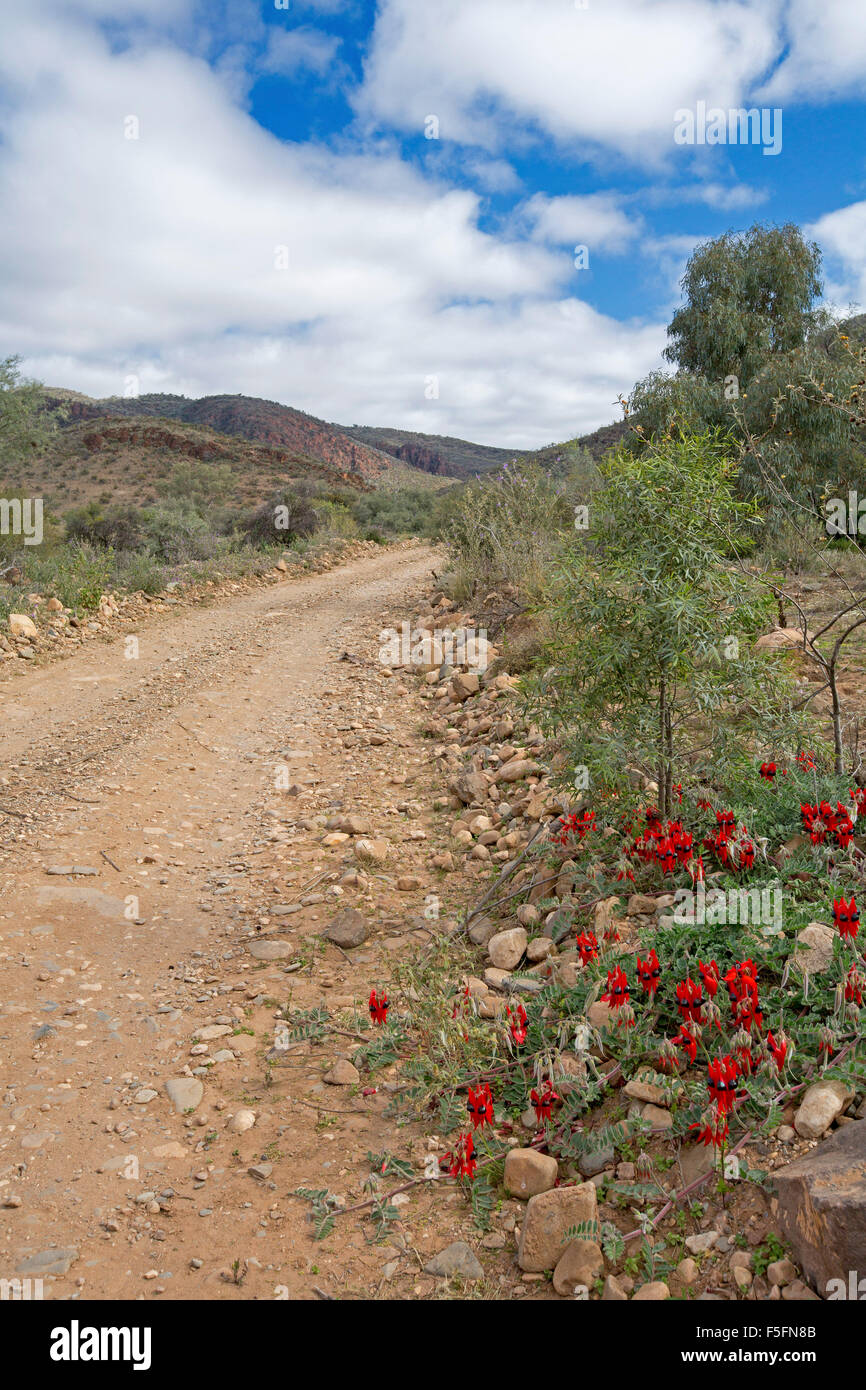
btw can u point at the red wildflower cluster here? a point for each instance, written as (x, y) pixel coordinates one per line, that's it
(517, 1024)
(542, 1103)
(712, 1128)
(858, 796)
(690, 1000)
(778, 1049)
(617, 988)
(587, 946)
(742, 984)
(378, 1006)
(768, 771)
(479, 1103)
(846, 918)
(710, 977)
(461, 1161)
(734, 849)
(687, 1039)
(806, 761)
(722, 1074)
(669, 845)
(822, 821)
(575, 827)
(649, 973)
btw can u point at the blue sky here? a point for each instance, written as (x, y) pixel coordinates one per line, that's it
(209, 196)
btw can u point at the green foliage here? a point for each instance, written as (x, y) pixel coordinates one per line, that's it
(81, 575)
(506, 527)
(25, 425)
(749, 296)
(288, 516)
(651, 662)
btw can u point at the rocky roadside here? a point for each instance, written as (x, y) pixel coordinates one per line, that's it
(163, 1117)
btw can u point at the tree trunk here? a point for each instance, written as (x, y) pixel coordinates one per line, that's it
(662, 747)
(837, 720)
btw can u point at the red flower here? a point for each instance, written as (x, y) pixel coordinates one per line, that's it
(460, 1161)
(712, 1129)
(677, 792)
(543, 1104)
(686, 1039)
(649, 972)
(725, 820)
(479, 1103)
(587, 945)
(846, 918)
(806, 760)
(778, 1048)
(574, 825)
(722, 1084)
(768, 771)
(378, 1006)
(617, 988)
(690, 1000)
(518, 1024)
(703, 804)
(854, 986)
(710, 977)
(858, 795)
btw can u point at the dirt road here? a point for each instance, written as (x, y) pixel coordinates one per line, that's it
(165, 798)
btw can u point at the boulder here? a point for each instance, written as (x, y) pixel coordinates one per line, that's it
(22, 626)
(822, 1207)
(506, 948)
(528, 1172)
(816, 954)
(819, 1107)
(578, 1267)
(549, 1217)
(347, 929)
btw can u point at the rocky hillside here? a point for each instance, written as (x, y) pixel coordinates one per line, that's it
(438, 454)
(261, 422)
(97, 457)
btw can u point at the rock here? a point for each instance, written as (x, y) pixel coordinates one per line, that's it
(613, 1291)
(822, 1207)
(211, 1031)
(145, 1095)
(687, 1271)
(641, 905)
(781, 639)
(594, 1161)
(408, 883)
(471, 788)
(517, 768)
(371, 851)
(528, 915)
(342, 1073)
(269, 948)
(539, 949)
(241, 1121)
(455, 1259)
(701, 1242)
(646, 1090)
(355, 825)
(185, 1093)
(578, 1267)
(786, 1134)
(347, 929)
(817, 954)
(506, 948)
(601, 1015)
(658, 1118)
(654, 1292)
(821, 1104)
(464, 684)
(548, 1217)
(781, 1272)
(261, 1171)
(742, 1276)
(481, 929)
(528, 1172)
(22, 626)
(56, 1261)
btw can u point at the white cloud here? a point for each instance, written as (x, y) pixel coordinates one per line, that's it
(594, 219)
(827, 51)
(290, 50)
(842, 237)
(613, 74)
(156, 257)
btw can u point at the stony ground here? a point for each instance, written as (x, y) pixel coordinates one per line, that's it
(246, 809)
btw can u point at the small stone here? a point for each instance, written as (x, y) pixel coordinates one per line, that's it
(185, 1093)
(506, 948)
(613, 1291)
(549, 1216)
(342, 1073)
(144, 1096)
(241, 1121)
(654, 1292)
(455, 1259)
(578, 1267)
(703, 1241)
(781, 1272)
(528, 1172)
(687, 1271)
(347, 929)
(658, 1118)
(821, 1104)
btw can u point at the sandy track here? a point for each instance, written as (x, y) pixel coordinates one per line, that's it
(159, 774)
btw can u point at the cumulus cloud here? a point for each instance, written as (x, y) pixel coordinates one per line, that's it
(205, 255)
(291, 50)
(594, 219)
(842, 237)
(826, 54)
(498, 71)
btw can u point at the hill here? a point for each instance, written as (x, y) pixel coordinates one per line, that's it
(439, 454)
